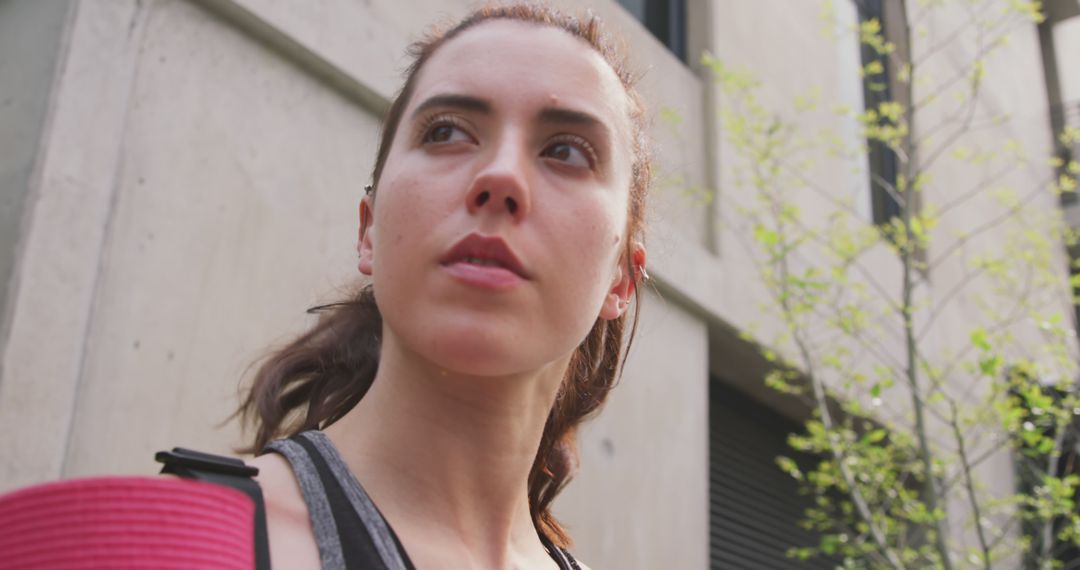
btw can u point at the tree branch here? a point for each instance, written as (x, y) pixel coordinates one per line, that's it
(1051, 470)
(823, 409)
(988, 225)
(979, 187)
(978, 460)
(940, 305)
(969, 485)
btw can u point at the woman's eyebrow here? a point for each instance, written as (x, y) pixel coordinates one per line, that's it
(563, 116)
(550, 115)
(453, 101)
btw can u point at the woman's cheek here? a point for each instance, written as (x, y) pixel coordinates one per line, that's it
(399, 254)
(589, 258)
(407, 209)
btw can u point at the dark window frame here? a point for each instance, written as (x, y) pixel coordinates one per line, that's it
(666, 21)
(883, 164)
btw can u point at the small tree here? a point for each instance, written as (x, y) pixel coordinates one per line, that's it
(903, 421)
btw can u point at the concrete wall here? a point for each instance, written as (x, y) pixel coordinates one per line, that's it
(199, 177)
(196, 187)
(645, 457)
(31, 44)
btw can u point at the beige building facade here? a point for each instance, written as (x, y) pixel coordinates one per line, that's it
(180, 180)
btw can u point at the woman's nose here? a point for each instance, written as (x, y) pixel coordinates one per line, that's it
(501, 186)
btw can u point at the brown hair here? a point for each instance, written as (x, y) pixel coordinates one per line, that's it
(316, 379)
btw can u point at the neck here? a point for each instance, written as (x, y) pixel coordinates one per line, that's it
(448, 455)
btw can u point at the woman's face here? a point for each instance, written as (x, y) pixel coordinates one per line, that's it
(498, 230)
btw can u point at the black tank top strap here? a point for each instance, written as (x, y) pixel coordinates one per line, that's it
(561, 556)
(345, 539)
(353, 509)
(323, 524)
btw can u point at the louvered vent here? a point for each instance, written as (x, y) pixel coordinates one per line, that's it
(754, 507)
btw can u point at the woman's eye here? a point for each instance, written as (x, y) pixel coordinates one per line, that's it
(570, 154)
(445, 133)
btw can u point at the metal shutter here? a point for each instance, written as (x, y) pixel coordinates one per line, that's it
(754, 507)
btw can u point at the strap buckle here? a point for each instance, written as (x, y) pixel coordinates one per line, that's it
(180, 458)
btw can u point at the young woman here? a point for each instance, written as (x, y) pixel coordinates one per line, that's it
(502, 239)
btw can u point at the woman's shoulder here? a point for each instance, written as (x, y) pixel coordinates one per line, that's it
(292, 541)
(278, 482)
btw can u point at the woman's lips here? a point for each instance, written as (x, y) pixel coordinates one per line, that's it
(484, 276)
(484, 261)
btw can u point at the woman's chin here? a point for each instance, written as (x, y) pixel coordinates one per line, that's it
(471, 344)
(480, 357)
(477, 347)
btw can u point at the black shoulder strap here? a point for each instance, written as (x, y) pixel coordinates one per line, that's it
(223, 471)
(562, 557)
(359, 550)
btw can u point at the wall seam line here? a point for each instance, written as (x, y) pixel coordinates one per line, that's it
(33, 192)
(138, 25)
(294, 51)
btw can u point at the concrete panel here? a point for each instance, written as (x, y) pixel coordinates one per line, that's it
(31, 39)
(365, 40)
(64, 228)
(641, 499)
(235, 211)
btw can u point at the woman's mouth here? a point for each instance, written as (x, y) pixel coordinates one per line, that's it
(484, 261)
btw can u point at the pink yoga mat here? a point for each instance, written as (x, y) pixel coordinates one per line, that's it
(126, 522)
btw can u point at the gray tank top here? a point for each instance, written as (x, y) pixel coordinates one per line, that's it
(339, 507)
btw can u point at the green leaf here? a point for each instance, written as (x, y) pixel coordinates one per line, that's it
(917, 229)
(766, 236)
(1066, 183)
(788, 466)
(828, 544)
(671, 116)
(876, 435)
(980, 340)
(990, 365)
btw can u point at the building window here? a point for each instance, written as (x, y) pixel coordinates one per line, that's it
(878, 88)
(665, 19)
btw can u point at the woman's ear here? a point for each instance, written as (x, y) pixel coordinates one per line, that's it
(626, 278)
(364, 239)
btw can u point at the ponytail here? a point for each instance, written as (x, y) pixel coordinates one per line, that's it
(316, 379)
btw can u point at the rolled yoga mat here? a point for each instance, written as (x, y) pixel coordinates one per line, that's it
(126, 522)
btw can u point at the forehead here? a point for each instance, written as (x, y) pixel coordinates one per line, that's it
(519, 63)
